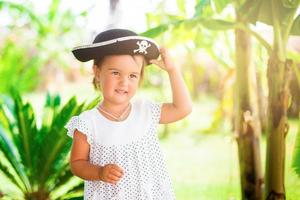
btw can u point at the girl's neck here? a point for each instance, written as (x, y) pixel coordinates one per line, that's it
(114, 112)
(114, 108)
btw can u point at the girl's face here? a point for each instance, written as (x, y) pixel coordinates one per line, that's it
(119, 77)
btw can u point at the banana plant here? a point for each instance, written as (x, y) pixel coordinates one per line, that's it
(281, 15)
(247, 131)
(34, 152)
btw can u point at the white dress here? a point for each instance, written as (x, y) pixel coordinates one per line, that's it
(133, 145)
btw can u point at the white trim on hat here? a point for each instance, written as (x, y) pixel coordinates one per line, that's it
(114, 41)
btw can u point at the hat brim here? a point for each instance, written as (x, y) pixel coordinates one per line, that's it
(129, 45)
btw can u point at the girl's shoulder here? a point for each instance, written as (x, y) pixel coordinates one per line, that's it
(84, 117)
(87, 114)
(81, 123)
(145, 103)
(148, 109)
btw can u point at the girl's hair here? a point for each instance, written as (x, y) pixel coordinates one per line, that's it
(98, 62)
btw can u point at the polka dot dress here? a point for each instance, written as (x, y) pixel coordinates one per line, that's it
(133, 145)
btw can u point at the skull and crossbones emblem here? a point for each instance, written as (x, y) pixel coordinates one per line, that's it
(143, 45)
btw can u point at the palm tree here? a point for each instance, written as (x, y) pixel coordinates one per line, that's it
(35, 157)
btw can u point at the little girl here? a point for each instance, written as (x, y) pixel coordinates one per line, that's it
(115, 145)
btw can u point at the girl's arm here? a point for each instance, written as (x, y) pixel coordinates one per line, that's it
(81, 167)
(181, 105)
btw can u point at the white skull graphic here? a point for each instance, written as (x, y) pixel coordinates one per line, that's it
(143, 45)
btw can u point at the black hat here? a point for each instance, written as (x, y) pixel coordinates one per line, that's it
(117, 42)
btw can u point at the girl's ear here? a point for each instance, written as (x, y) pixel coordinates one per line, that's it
(96, 71)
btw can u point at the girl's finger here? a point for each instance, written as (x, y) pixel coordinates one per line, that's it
(119, 169)
(111, 182)
(113, 178)
(159, 63)
(116, 167)
(163, 52)
(116, 173)
(156, 62)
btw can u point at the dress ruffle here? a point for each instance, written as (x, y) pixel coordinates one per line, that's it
(78, 123)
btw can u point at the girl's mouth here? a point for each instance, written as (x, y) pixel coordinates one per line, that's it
(121, 91)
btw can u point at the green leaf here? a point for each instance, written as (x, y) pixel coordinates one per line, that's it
(6, 146)
(260, 10)
(250, 10)
(6, 117)
(154, 32)
(190, 24)
(72, 196)
(75, 189)
(27, 128)
(181, 6)
(25, 10)
(290, 3)
(221, 4)
(6, 171)
(92, 104)
(60, 177)
(48, 146)
(200, 7)
(296, 26)
(53, 10)
(19, 66)
(56, 144)
(211, 24)
(217, 24)
(52, 101)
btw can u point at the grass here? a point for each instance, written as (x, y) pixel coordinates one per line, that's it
(205, 166)
(205, 169)
(202, 166)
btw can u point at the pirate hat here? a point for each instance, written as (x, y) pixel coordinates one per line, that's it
(117, 42)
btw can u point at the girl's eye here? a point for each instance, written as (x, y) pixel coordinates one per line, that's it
(133, 76)
(115, 73)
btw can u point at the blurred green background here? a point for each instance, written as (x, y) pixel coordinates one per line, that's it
(42, 86)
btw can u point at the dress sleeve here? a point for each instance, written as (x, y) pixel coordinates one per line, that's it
(79, 123)
(155, 110)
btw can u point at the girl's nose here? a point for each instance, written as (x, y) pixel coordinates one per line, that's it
(124, 81)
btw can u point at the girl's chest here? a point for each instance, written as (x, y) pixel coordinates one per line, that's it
(140, 151)
(107, 134)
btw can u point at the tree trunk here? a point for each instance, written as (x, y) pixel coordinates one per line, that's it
(294, 108)
(247, 126)
(278, 82)
(262, 103)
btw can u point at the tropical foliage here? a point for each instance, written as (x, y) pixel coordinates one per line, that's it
(282, 17)
(34, 152)
(28, 49)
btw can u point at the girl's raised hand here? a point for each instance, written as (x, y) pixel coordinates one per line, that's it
(110, 173)
(165, 62)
